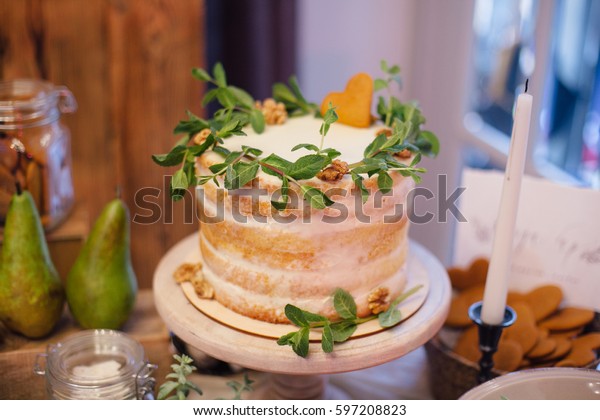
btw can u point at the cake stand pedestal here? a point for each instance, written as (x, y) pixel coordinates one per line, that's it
(294, 377)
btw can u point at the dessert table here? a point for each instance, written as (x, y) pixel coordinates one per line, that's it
(291, 376)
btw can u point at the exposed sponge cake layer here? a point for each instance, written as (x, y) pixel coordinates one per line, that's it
(258, 259)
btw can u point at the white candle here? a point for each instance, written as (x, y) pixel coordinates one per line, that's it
(496, 285)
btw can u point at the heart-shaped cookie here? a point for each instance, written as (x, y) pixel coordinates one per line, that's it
(353, 105)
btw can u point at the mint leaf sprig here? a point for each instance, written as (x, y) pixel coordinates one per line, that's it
(336, 331)
(180, 387)
(393, 110)
(239, 388)
(237, 104)
(292, 98)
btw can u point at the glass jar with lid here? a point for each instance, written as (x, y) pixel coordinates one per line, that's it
(97, 365)
(35, 147)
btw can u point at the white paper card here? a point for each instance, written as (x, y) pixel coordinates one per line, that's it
(557, 236)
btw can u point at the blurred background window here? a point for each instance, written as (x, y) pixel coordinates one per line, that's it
(504, 56)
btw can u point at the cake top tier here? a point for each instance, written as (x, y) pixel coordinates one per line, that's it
(295, 141)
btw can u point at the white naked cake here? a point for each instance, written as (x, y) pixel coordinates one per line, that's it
(258, 259)
(298, 202)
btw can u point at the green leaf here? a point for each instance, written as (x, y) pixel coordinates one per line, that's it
(307, 166)
(370, 164)
(315, 197)
(217, 167)
(327, 339)
(276, 162)
(232, 156)
(344, 304)
(293, 82)
(165, 389)
(219, 74)
(204, 179)
(221, 150)
(393, 315)
(245, 172)
(282, 205)
(287, 339)
(331, 153)
(416, 159)
(433, 142)
(296, 315)
(242, 97)
(358, 181)
(375, 146)
(329, 118)
(379, 84)
(307, 146)
(257, 120)
(231, 179)
(311, 317)
(390, 317)
(198, 149)
(174, 157)
(192, 125)
(394, 70)
(383, 65)
(209, 97)
(179, 180)
(201, 74)
(384, 182)
(193, 386)
(225, 97)
(282, 93)
(247, 150)
(343, 330)
(301, 344)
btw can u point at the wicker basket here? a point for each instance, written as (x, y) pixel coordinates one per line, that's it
(452, 375)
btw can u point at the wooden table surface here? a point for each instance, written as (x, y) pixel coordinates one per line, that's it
(17, 353)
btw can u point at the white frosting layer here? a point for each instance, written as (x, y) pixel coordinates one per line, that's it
(280, 139)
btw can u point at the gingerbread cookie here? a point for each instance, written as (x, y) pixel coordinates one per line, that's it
(583, 351)
(568, 319)
(524, 331)
(508, 357)
(544, 301)
(458, 315)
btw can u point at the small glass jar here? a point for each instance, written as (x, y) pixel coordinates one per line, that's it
(35, 147)
(97, 365)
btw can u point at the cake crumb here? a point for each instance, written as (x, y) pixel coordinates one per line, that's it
(334, 172)
(202, 288)
(378, 300)
(273, 111)
(187, 271)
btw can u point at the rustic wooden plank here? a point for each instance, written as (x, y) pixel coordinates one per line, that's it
(128, 64)
(163, 43)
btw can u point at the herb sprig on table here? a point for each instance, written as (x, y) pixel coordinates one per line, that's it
(336, 331)
(179, 387)
(241, 166)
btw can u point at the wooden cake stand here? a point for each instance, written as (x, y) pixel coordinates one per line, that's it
(294, 377)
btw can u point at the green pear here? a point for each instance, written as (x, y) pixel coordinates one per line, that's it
(31, 293)
(101, 286)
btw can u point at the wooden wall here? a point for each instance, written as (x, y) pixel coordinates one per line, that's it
(128, 64)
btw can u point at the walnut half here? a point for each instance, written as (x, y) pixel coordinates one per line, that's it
(378, 300)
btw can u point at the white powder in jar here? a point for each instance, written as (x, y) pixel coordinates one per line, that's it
(98, 370)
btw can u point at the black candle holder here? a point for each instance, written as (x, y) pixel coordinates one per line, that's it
(489, 336)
